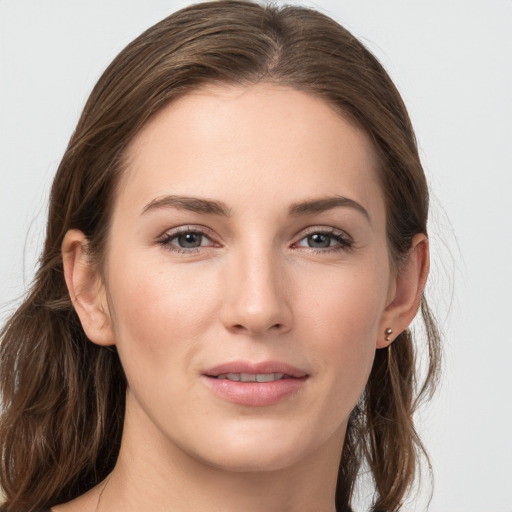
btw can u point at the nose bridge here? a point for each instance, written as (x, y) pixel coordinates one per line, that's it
(255, 298)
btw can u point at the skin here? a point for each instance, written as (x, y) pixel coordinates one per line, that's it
(260, 287)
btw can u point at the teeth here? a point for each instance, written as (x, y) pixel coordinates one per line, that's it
(251, 377)
(268, 377)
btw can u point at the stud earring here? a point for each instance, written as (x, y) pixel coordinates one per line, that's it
(388, 332)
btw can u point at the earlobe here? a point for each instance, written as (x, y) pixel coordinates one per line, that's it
(86, 289)
(407, 292)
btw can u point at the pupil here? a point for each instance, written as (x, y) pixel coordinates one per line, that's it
(319, 240)
(189, 240)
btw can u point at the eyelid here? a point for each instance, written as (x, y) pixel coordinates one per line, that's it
(185, 228)
(328, 230)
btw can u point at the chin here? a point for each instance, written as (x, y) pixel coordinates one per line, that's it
(259, 451)
(255, 460)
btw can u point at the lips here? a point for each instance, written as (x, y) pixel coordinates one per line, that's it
(255, 384)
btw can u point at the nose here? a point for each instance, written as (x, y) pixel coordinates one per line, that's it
(255, 296)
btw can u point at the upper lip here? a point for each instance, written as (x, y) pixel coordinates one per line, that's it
(255, 368)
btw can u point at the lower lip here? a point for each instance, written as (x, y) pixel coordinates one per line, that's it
(255, 394)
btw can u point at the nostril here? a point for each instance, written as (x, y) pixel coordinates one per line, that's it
(241, 327)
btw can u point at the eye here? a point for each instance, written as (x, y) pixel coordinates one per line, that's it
(325, 241)
(185, 240)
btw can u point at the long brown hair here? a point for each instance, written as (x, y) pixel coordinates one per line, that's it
(63, 397)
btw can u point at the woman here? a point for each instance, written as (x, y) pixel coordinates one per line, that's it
(236, 247)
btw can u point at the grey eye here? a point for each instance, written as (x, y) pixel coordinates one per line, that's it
(189, 240)
(322, 240)
(319, 240)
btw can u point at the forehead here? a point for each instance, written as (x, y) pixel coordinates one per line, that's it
(233, 142)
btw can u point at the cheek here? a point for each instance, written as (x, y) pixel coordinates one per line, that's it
(158, 316)
(342, 315)
(345, 303)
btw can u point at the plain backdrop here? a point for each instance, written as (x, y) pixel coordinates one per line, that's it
(451, 60)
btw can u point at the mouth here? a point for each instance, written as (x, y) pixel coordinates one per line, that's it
(255, 384)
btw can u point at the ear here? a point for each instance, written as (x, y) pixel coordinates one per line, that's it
(406, 290)
(86, 289)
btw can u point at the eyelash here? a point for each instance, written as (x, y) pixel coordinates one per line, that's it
(344, 241)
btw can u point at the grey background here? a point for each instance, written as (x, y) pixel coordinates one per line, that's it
(451, 61)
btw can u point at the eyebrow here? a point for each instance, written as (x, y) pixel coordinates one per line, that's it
(213, 207)
(193, 204)
(322, 205)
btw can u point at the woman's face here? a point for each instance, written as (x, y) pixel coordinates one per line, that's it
(248, 242)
